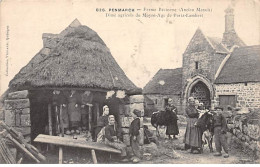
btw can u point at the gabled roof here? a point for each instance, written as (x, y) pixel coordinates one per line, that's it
(201, 42)
(165, 81)
(242, 66)
(77, 57)
(217, 44)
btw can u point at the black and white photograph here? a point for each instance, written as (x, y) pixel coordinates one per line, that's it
(129, 82)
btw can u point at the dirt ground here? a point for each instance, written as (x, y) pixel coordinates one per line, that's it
(170, 151)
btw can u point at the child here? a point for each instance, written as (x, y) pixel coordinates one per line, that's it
(220, 130)
(135, 135)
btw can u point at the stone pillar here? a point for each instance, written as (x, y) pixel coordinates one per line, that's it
(136, 102)
(17, 112)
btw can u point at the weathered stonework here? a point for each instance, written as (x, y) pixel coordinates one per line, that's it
(18, 95)
(16, 104)
(136, 102)
(247, 95)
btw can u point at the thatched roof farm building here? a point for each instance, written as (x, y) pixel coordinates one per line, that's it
(74, 72)
(77, 57)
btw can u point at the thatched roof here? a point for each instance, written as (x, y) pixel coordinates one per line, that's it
(77, 57)
(242, 66)
(165, 81)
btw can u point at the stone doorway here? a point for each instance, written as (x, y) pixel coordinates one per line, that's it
(201, 92)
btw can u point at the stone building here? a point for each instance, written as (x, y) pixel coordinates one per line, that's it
(220, 71)
(164, 85)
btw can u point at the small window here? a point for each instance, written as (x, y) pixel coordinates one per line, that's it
(196, 65)
(245, 83)
(155, 101)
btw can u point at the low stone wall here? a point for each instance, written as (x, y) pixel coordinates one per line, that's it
(17, 112)
(245, 129)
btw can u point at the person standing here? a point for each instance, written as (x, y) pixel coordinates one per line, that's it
(220, 130)
(171, 120)
(135, 136)
(192, 138)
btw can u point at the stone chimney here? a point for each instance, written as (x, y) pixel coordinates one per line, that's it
(229, 20)
(230, 37)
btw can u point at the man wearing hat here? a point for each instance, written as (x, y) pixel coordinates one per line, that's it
(135, 136)
(220, 130)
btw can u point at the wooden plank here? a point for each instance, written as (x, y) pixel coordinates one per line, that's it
(74, 143)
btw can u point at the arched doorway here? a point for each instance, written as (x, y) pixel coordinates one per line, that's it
(201, 88)
(201, 92)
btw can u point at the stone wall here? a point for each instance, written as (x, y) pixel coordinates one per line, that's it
(247, 94)
(136, 102)
(17, 112)
(245, 130)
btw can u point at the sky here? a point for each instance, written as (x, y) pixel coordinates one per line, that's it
(141, 46)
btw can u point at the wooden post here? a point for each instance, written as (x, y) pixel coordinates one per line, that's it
(89, 117)
(61, 122)
(94, 158)
(50, 126)
(50, 119)
(62, 135)
(97, 105)
(60, 155)
(57, 121)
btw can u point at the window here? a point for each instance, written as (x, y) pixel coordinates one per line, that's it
(155, 101)
(196, 65)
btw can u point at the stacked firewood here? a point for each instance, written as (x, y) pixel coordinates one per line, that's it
(246, 130)
(16, 139)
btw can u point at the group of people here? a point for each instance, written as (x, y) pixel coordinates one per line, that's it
(108, 132)
(193, 134)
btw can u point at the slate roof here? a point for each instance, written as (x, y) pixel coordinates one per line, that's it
(165, 81)
(242, 66)
(217, 44)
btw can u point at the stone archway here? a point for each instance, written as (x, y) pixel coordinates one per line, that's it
(201, 88)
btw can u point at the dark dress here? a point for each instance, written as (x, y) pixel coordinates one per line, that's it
(134, 131)
(101, 122)
(171, 120)
(193, 134)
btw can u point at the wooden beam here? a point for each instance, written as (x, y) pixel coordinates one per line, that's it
(89, 117)
(69, 88)
(60, 155)
(57, 120)
(80, 143)
(61, 121)
(50, 125)
(97, 106)
(94, 158)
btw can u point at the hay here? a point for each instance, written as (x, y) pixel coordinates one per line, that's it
(79, 59)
